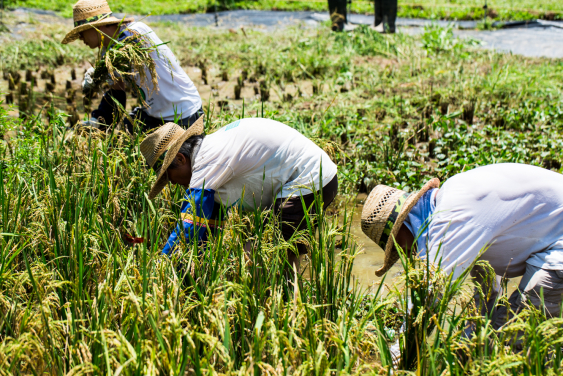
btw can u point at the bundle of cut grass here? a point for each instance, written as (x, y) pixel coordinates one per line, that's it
(124, 59)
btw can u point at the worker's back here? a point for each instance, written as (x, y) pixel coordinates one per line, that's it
(514, 209)
(263, 158)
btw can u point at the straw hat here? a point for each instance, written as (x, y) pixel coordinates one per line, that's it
(161, 146)
(385, 211)
(88, 13)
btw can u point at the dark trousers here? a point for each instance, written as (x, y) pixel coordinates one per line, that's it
(292, 214)
(337, 11)
(114, 101)
(386, 13)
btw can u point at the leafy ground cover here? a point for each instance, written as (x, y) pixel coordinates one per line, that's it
(75, 298)
(438, 9)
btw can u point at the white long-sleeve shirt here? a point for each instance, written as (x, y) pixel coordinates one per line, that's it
(515, 210)
(253, 162)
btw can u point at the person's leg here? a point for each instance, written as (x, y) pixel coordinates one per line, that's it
(330, 190)
(108, 110)
(535, 283)
(337, 11)
(292, 215)
(378, 10)
(490, 286)
(487, 290)
(292, 218)
(385, 14)
(391, 16)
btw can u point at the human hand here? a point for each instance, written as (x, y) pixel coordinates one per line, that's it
(88, 82)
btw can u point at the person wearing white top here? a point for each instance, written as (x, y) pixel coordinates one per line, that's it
(174, 99)
(253, 164)
(510, 215)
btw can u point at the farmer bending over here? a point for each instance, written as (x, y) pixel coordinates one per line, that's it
(514, 212)
(175, 95)
(251, 163)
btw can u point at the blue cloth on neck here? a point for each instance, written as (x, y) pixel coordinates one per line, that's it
(419, 218)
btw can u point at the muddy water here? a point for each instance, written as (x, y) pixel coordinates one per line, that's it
(371, 257)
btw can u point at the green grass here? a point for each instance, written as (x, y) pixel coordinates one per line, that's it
(390, 109)
(438, 9)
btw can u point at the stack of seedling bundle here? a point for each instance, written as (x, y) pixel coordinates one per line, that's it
(11, 86)
(239, 86)
(23, 100)
(13, 78)
(203, 68)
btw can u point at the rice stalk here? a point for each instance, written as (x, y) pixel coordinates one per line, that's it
(126, 60)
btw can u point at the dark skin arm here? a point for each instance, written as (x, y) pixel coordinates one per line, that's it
(405, 239)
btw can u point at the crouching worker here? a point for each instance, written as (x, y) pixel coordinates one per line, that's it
(175, 98)
(252, 163)
(510, 215)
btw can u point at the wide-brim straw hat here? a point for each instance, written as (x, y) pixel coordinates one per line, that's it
(91, 13)
(385, 210)
(161, 146)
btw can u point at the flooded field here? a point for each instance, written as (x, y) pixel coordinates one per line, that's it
(389, 109)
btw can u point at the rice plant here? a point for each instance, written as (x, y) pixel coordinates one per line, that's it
(124, 60)
(77, 298)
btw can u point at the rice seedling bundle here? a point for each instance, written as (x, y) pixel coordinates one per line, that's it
(126, 59)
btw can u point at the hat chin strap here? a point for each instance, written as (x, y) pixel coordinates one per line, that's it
(158, 163)
(390, 223)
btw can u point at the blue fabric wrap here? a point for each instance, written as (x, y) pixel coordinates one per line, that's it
(418, 220)
(124, 34)
(197, 211)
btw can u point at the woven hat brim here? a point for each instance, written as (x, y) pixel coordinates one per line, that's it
(72, 35)
(391, 254)
(162, 179)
